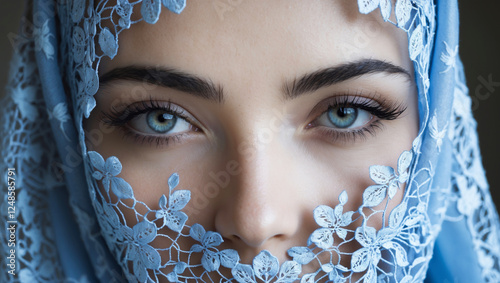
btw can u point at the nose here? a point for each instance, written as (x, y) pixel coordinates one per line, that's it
(262, 209)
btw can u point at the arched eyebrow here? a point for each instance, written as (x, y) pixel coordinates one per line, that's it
(334, 75)
(206, 89)
(166, 77)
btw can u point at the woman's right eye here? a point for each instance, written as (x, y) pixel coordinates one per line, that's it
(154, 122)
(344, 117)
(159, 122)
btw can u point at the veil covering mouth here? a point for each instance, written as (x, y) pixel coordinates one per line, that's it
(69, 230)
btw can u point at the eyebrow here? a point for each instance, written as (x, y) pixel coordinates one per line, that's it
(205, 88)
(169, 78)
(334, 75)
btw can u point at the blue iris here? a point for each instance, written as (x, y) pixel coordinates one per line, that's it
(342, 117)
(160, 121)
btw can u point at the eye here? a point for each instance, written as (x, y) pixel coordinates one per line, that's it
(159, 122)
(344, 117)
(153, 122)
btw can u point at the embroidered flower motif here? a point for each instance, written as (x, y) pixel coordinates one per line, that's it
(403, 12)
(110, 223)
(436, 133)
(373, 242)
(42, 42)
(173, 218)
(450, 58)
(387, 181)
(367, 6)
(302, 255)
(124, 10)
(107, 171)
(108, 43)
(77, 10)
(385, 9)
(469, 199)
(140, 253)
(334, 272)
(397, 214)
(175, 6)
(150, 10)
(178, 269)
(416, 43)
(25, 99)
(87, 87)
(60, 112)
(332, 222)
(88, 103)
(90, 25)
(212, 258)
(370, 254)
(91, 81)
(266, 266)
(79, 44)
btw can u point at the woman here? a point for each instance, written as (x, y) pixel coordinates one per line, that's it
(248, 142)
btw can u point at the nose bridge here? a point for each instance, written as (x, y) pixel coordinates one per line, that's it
(258, 207)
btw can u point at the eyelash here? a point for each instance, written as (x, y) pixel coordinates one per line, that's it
(120, 118)
(383, 110)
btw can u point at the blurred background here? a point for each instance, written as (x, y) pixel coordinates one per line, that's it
(479, 50)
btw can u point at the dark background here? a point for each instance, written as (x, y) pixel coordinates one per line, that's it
(479, 50)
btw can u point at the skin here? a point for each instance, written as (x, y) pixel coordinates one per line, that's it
(275, 180)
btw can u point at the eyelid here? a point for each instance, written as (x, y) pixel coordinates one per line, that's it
(323, 105)
(379, 107)
(121, 116)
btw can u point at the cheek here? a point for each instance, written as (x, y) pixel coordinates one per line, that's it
(148, 174)
(348, 168)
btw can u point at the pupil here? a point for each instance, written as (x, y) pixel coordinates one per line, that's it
(343, 117)
(161, 122)
(342, 112)
(163, 117)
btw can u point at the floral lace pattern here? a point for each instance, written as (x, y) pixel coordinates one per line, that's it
(399, 251)
(135, 242)
(26, 147)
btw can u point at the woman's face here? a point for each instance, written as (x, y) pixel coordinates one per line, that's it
(264, 109)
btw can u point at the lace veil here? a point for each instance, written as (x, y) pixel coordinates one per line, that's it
(67, 230)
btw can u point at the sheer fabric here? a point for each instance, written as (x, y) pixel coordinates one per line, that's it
(445, 228)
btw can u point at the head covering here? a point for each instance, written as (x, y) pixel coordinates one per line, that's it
(61, 228)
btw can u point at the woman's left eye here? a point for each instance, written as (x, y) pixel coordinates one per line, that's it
(159, 121)
(344, 117)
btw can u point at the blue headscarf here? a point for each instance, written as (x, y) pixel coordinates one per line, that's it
(60, 228)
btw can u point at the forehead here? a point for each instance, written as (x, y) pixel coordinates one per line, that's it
(260, 41)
